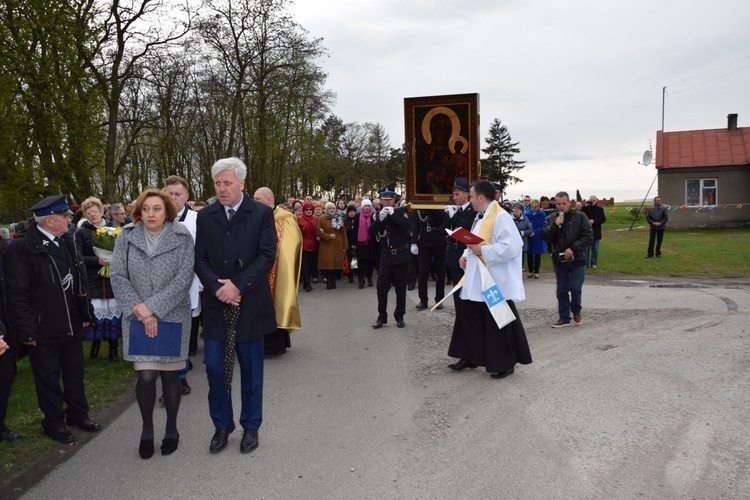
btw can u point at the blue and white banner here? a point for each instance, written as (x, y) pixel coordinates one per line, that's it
(499, 307)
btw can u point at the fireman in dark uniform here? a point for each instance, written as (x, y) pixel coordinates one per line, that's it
(428, 243)
(391, 229)
(459, 215)
(48, 307)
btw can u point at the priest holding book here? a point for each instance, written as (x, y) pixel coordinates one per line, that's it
(477, 339)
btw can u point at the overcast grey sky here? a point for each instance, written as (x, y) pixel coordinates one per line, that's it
(578, 83)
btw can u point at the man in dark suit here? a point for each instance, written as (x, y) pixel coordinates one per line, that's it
(234, 251)
(459, 215)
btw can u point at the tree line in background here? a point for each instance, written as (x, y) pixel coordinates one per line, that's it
(108, 97)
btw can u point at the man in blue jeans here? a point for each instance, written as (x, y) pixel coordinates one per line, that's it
(570, 232)
(235, 248)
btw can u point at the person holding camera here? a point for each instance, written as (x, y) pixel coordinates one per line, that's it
(570, 232)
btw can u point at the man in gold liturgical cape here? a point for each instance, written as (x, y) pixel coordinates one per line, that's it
(284, 276)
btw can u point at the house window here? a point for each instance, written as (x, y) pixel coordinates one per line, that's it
(701, 192)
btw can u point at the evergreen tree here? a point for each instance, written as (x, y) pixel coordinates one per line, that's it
(500, 164)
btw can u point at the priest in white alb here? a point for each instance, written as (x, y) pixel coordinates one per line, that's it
(477, 339)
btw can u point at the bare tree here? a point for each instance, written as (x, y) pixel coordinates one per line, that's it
(268, 64)
(118, 36)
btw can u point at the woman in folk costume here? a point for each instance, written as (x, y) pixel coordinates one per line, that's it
(108, 314)
(477, 340)
(333, 244)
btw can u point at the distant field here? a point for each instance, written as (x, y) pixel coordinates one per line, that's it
(720, 252)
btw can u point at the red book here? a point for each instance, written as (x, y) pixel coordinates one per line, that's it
(464, 236)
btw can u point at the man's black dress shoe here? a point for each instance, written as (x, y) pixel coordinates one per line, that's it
(503, 374)
(400, 323)
(439, 307)
(146, 448)
(169, 445)
(61, 435)
(85, 424)
(461, 365)
(220, 439)
(422, 305)
(9, 435)
(249, 441)
(378, 324)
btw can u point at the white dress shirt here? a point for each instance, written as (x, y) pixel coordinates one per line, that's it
(504, 256)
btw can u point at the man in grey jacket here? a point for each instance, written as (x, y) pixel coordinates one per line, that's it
(657, 217)
(570, 232)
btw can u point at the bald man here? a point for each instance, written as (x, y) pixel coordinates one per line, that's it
(284, 276)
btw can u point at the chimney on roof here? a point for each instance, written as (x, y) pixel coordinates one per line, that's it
(732, 121)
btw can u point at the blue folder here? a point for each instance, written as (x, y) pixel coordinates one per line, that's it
(167, 342)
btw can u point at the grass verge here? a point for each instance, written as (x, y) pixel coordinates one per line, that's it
(105, 382)
(685, 252)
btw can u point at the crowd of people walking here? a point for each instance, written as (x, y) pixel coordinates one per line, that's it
(156, 270)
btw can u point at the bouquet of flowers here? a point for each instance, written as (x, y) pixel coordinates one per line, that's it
(104, 246)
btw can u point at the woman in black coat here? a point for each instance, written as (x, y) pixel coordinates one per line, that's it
(351, 236)
(368, 250)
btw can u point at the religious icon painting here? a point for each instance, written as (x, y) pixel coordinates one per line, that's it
(441, 146)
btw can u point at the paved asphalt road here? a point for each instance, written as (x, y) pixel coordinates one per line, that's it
(647, 398)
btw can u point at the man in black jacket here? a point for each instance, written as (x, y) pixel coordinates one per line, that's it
(657, 217)
(391, 229)
(235, 248)
(48, 307)
(569, 230)
(428, 243)
(596, 216)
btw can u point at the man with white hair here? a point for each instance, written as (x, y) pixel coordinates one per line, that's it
(235, 249)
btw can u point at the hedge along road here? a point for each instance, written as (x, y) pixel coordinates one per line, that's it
(648, 396)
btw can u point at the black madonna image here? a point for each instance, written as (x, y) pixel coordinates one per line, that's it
(441, 145)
